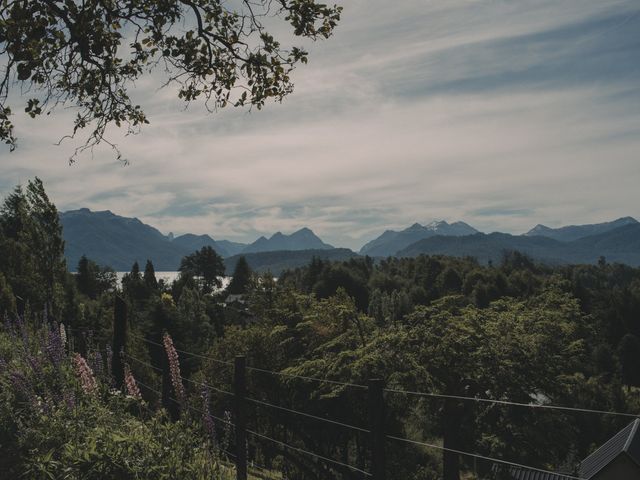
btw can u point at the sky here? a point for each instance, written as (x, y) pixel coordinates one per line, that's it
(500, 113)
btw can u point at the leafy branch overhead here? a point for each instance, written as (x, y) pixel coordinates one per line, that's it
(87, 54)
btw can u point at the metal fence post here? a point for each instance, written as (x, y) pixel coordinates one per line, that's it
(240, 417)
(376, 427)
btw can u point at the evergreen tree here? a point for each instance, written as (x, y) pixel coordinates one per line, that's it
(93, 280)
(135, 271)
(133, 284)
(46, 238)
(628, 351)
(7, 299)
(150, 276)
(241, 277)
(205, 264)
(86, 277)
(33, 249)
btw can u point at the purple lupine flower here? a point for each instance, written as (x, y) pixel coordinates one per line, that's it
(22, 385)
(97, 363)
(63, 334)
(54, 346)
(69, 399)
(84, 372)
(174, 368)
(7, 322)
(35, 363)
(22, 330)
(130, 384)
(109, 361)
(207, 419)
(87, 338)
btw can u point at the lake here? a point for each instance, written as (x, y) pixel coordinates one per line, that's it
(169, 277)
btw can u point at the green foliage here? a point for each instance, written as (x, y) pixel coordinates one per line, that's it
(516, 331)
(93, 280)
(7, 298)
(241, 277)
(205, 264)
(52, 426)
(92, 443)
(149, 276)
(628, 351)
(31, 241)
(88, 54)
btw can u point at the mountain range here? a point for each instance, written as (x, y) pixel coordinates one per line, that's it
(117, 241)
(390, 242)
(574, 232)
(303, 239)
(617, 241)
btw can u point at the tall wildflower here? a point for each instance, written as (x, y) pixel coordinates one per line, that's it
(174, 368)
(69, 400)
(85, 374)
(97, 363)
(207, 419)
(109, 361)
(63, 334)
(130, 384)
(54, 346)
(228, 431)
(21, 327)
(24, 387)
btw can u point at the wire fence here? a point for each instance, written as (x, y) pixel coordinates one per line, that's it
(375, 430)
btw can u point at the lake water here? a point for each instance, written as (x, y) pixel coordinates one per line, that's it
(169, 277)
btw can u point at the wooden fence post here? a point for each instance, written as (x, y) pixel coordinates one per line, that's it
(119, 340)
(376, 427)
(240, 417)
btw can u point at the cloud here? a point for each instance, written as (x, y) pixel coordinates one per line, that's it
(502, 114)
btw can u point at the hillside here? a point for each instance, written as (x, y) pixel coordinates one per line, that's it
(392, 241)
(485, 247)
(116, 241)
(193, 242)
(303, 239)
(619, 245)
(232, 248)
(575, 232)
(278, 261)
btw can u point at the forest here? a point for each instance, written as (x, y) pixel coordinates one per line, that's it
(442, 333)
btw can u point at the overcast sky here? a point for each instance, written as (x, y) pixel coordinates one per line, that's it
(500, 113)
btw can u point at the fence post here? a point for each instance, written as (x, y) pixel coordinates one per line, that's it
(240, 417)
(119, 340)
(376, 427)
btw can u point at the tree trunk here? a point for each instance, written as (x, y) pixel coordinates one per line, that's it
(451, 440)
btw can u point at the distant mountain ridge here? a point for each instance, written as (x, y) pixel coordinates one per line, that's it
(303, 239)
(117, 241)
(195, 242)
(621, 244)
(575, 232)
(392, 241)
